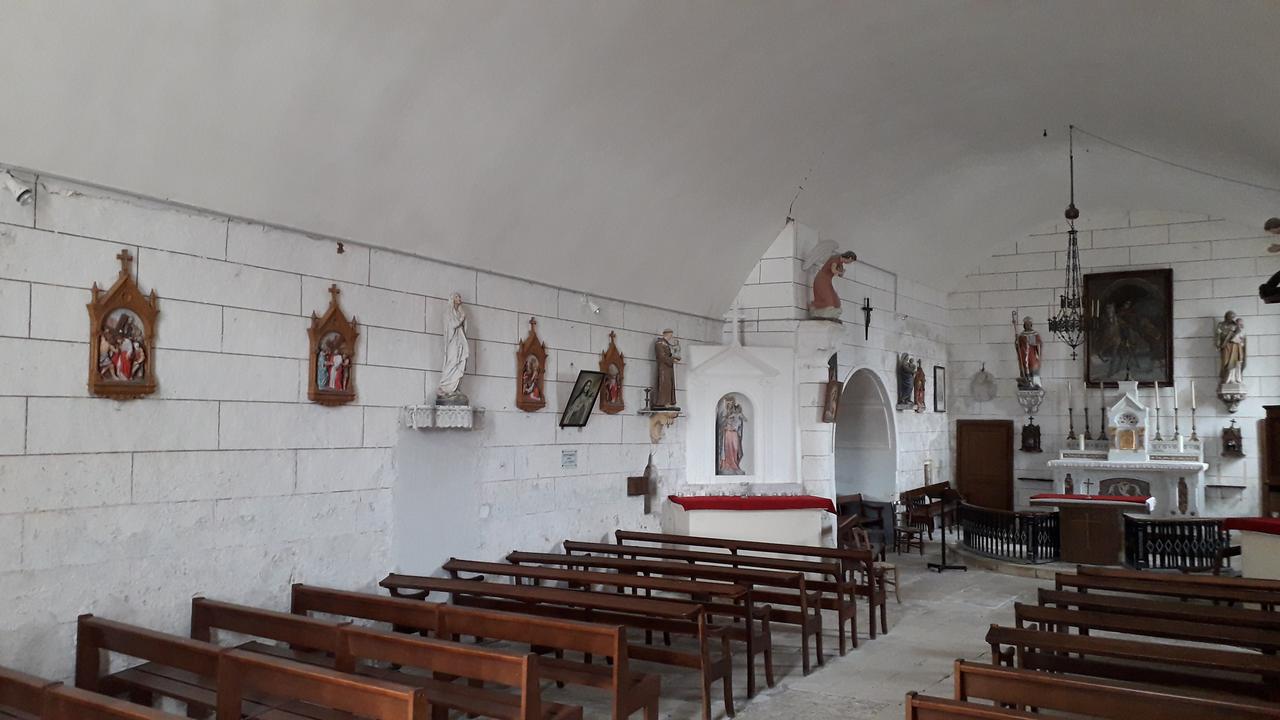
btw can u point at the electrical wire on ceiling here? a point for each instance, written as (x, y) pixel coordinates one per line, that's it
(1173, 163)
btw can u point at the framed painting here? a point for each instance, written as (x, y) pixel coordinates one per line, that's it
(331, 380)
(1131, 337)
(939, 389)
(531, 371)
(583, 398)
(122, 332)
(613, 365)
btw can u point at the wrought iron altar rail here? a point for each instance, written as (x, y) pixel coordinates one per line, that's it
(1024, 537)
(1191, 544)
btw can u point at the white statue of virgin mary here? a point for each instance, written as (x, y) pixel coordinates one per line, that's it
(456, 353)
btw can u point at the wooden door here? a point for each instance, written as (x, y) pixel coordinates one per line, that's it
(984, 462)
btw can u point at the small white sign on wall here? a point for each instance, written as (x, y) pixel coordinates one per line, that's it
(568, 459)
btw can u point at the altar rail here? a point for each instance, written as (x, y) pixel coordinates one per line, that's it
(1023, 537)
(1189, 544)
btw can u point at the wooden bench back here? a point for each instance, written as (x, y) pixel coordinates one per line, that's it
(602, 640)
(924, 707)
(1167, 586)
(23, 692)
(512, 669)
(302, 632)
(241, 672)
(96, 636)
(1160, 608)
(665, 568)
(1095, 697)
(827, 568)
(1084, 620)
(733, 545)
(415, 614)
(66, 703)
(1206, 580)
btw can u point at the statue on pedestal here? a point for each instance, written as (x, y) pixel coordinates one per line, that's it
(1230, 340)
(666, 351)
(906, 380)
(1028, 344)
(826, 301)
(456, 353)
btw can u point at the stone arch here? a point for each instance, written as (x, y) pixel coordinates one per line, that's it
(866, 452)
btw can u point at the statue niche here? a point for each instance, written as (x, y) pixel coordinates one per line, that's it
(733, 435)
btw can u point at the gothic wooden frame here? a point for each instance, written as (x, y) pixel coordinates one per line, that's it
(123, 295)
(333, 321)
(613, 356)
(531, 348)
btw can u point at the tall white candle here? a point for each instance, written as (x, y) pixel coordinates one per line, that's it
(1071, 393)
(1157, 396)
(1193, 394)
(1175, 396)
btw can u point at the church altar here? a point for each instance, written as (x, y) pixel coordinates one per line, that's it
(1259, 546)
(793, 519)
(1131, 462)
(1092, 526)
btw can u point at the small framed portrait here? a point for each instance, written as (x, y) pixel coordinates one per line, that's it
(331, 380)
(122, 329)
(939, 389)
(583, 399)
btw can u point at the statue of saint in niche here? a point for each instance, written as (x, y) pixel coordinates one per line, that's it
(730, 425)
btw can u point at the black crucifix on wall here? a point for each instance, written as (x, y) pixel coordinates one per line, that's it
(866, 318)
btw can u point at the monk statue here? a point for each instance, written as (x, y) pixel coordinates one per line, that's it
(1232, 352)
(1028, 344)
(666, 350)
(826, 302)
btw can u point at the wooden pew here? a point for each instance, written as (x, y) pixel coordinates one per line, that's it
(21, 695)
(711, 595)
(1161, 609)
(179, 668)
(305, 636)
(849, 559)
(66, 703)
(924, 707)
(1237, 673)
(1201, 580)
(240, 672)
(1096, 697)
(681, 618)
(630, 691)
(1086, 621)
(837, 593)
(806, 616)
(1175, 586)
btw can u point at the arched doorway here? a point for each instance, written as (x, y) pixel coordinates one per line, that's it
(865, 442)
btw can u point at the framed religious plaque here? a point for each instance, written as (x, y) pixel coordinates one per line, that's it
(122, 332)
(531, 371)
(612, 364)
(1131, 336)
(331, 380)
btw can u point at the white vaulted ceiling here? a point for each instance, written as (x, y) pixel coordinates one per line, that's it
(648, 150)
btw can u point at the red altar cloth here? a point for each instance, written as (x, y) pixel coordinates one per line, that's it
(1271, 526)
(753, 502)
(1135, 499)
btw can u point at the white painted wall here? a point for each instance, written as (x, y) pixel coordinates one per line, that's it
(1217, 266)
(866, 459)
(228, 482)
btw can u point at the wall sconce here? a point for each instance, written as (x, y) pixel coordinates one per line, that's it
(21, 192)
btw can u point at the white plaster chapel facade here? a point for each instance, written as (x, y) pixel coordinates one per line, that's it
(633, 181)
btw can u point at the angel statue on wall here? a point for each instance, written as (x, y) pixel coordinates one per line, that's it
(456, 353)
(826, 256)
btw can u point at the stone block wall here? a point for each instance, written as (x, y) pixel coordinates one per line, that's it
(1217, 266)
(228, 482)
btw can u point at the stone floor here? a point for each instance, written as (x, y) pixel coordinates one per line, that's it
(941, 618)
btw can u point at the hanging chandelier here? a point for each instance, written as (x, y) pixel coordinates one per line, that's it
(1072, 321)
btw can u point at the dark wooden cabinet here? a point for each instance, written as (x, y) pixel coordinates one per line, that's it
(1269, 439)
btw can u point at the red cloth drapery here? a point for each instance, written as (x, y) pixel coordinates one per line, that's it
(1135, 499)
(1270, 526)
(753, 502)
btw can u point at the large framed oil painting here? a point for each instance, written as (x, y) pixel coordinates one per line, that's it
(1131, 337)
(583, 398)
(331, 380)
(122, 330)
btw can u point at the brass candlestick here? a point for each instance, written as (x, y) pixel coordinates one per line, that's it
(1087, 434)
(1071, 423)
(1193, 423)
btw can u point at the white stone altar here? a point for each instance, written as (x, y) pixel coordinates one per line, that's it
(1131, 462)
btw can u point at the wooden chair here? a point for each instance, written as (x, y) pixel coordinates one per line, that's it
(66, 703)
(21, 695)
(855, 511)
(1096, 697)
(241, 672)
(886, 572)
